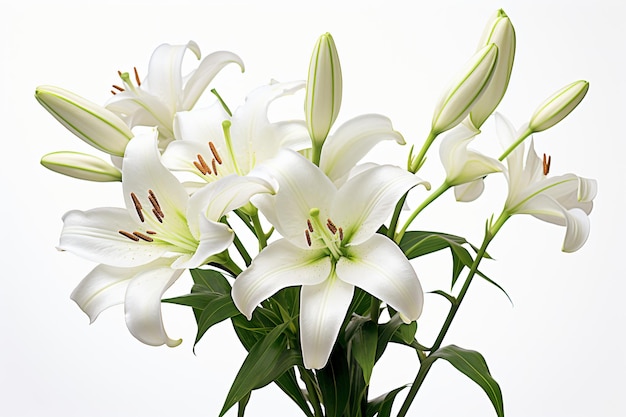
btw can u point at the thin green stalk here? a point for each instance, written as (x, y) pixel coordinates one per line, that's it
(316, 153)
(258, 230)
(418, 161)
(519, 140)
(393, 225)
(242, 250)
(435, 194)
(312, 389)
(425, 366)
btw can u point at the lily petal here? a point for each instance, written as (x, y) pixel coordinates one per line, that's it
(393, 281)
(278, 266)
(323, 308)
(365, 201)
(143, 305)
(469, 191)
(352, 141)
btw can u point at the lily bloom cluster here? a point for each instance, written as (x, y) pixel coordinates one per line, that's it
(332, 283)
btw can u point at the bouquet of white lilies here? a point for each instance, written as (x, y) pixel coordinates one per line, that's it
(286, 233)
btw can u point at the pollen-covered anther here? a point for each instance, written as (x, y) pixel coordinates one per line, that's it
(309, 225)
(143, 237)
(202, 166)
(155, 203)
(151, 232)
(216, 155)
(138, 207)
(137, 76)
(157, 215)
(308, 236)
(118, 88)
(546, 164)
(340, 233)
(214, 166)
(128, 235)
(331, 226)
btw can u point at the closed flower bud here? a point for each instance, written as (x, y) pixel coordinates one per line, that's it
(558, 106)
(471, 83)
(500, 32)
(323, 89)
(81, 166)
(92, 123)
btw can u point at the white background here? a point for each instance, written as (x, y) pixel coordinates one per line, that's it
(557, 352)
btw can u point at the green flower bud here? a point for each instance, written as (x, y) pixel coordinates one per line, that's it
(92, 123)
(500, 32)
(81, 166)
(465, 91)
(558, 106)
(323, 89)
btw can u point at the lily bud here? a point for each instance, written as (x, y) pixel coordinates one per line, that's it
(558, 106)
(465, 91)
(323, 89)
(92, 123)
(81, 166)
(500, 32)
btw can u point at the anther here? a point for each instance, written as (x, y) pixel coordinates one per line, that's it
(113, 92)
(137, 206)
(128, 235)
(157, 215)
(118, 88)
(331, 226)
(215, 154)
(214, 166)
(309, 225)
(155, 203)
(340, 233)
(200, 168)
(119, 73)
(143, 237)
(546, 164)
(137, 76)
(151, 232)
(308, 236)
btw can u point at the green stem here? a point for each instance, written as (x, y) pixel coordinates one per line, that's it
(426, 364)
(435, 194)
(258, 230)
(316, 153)
(312, 389)
(242, 250)
(418, 161)
(519, 140)
(393, 225)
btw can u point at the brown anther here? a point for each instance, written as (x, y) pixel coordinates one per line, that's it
(143, 237)
(340, 233)
(309, 225)
(137, 76)
(155, 203)
(546, 164)
(157, 215)
(119, 73)
(204, 165)
(137, 206)
(151, 232)
(128, 235)
(118, 88)
(200, 168)
(215, 154)
(308, 236)
(214, 166)
(331, 226)
(113, 92)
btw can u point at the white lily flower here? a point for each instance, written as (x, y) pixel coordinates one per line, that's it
(330, 246)
(565, 200)
(145, 247)
(165, 91)
(465, 168)
(213, 144)
(81, 166)
(89, 121)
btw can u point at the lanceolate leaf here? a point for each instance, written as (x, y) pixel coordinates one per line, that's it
(210, 280)
(217, 310)
(419, 243)
(363, 347)
(268, 359)
(334, 383)
(473, 365)
(381, 406)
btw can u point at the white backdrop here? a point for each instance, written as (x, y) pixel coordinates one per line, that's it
(558, 351)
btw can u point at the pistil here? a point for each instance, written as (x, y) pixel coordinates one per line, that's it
(327, 232)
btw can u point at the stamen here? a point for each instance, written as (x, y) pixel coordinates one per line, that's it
(214, 166)
(309, 225)
(137, 206)
(137, 76)
(546, 164)
(308, 237)
(155, 203)
(340, 233)
(157, 215)
(151, 232)
(215, 154)
(119, 73)
(200, 167)
(143, 237)
(331, 226)
(128, 235)
(113, 92)
(204, 165)
(118, 88)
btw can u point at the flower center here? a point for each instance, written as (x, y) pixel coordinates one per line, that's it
(127, 82)
(330, 235)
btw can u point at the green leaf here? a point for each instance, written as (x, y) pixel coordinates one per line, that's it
(419, 243)
(381, 406)
(385, 334)
(218, 309)
(363, 345)
(334, 383)
(268, 359)
(492, 282)
(473, 365)
(406, 332)
(241, 409)
(210, 280)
